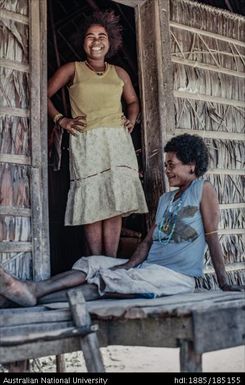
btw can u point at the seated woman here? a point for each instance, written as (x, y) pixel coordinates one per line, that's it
(171, 255)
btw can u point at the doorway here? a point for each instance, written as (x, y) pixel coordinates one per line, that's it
(67, 244)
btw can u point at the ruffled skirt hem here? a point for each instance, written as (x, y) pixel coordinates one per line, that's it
(108, 194)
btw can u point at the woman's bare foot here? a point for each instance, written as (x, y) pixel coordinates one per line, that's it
(4, 302)
(17, 291)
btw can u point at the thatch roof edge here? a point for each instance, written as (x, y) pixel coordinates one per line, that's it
(212, 9)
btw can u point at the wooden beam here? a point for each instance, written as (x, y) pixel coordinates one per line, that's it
(12, 111)
(35, 81)
(38, 34)
(209, 134)
(13, 16)
(227, 206)
(129, 3)
(14, 65)
(151, 137)
(157, 100)
(42, 349)
(32, 316)
(12, 247)
(208, 98)
(89, 343)
(45, 332)
(161, 322)
(15, 159)
(230, 323)
(230, 231)
(212, 10)
(18, 366)
(228, 267)
(190, 361)
(60, 363)
(226, 171)
(15, 211)
(202, 32)
(207, 67)
(165, 68)
(44, 139)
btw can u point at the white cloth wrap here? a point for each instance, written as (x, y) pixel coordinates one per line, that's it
(144, 279)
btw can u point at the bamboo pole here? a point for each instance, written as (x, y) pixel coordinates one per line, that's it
(13, 111)
(211, 9)
(228, 267)
(231, 231)
(14, 16)
(16, 159)
(15, 211)
(206, 33)
(209, 134)
(14, 65)
(208, 98)
(225, 171)
(207, 67)
(12, 247)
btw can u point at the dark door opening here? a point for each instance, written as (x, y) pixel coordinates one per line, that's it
(67, 244)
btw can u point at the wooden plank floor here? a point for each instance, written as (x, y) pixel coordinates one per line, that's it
(160, 322)
(103, 308)
(176, 304)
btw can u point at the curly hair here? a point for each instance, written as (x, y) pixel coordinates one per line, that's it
(110, 22)
(188, 149)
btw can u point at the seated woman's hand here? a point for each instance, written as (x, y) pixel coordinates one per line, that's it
(74, 125)
(125, 266)
(228, 287)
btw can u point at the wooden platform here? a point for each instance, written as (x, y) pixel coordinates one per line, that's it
(197, 323)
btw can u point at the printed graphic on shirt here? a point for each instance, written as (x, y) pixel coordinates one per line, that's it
(181, 231)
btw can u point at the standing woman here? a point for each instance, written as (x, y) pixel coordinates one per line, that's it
(104, 179)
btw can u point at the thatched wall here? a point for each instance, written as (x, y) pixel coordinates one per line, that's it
(22, 163)
(208, 57)
(15, 148)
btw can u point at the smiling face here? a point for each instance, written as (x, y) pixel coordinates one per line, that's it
(178, 173)
(96, 42)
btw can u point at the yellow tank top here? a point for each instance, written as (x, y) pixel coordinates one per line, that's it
(99, 97)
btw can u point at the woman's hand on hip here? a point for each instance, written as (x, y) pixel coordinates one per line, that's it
(127, 124)
(74, 125)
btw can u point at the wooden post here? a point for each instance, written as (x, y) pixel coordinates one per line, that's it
(19, 366)
(156, 85)
(89, 343)
(38, 123)
(60, 363)
(190, 361)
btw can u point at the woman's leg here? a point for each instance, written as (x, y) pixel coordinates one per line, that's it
(58, 282)
(25, 293)
(111, 235)
(93, 234)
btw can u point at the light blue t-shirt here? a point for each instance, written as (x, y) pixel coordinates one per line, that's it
(185, 251)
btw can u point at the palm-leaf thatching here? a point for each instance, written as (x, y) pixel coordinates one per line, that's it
(15, 140)
(208, 59)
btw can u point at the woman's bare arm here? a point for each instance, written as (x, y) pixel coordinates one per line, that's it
(131, 99)
(64, 76)
(140, 253)
(210, 215)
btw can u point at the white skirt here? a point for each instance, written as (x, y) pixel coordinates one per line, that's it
(104, 177)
